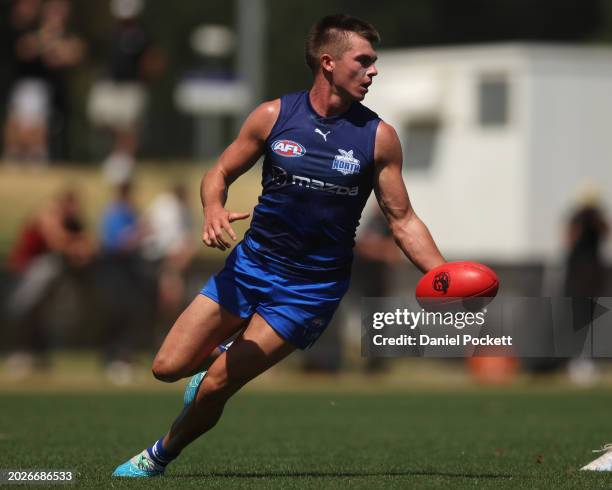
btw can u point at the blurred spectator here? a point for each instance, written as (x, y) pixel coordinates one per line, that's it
(50, 243)
(584, 278)
(585, 271)
(25, 127)
(587, 230)
(64, 49)
(120, 234)
(123, 288)
(42, 47)
(376, 254)
(117, 102)
(169, 246)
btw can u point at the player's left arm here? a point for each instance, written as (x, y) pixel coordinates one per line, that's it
(409, 232)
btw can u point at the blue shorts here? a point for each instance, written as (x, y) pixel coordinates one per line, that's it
(297, 307)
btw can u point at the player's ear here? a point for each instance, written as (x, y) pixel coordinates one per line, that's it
(327, 62)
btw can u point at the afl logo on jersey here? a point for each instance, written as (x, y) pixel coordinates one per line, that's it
(288, 148)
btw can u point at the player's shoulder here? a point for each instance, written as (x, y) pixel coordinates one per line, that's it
(265, 115)
(287, 101)
(386, 134)
(267, 110)
(387, 146)
(261, 120)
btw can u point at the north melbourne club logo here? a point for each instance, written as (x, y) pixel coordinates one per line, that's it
(441, 282)
(345, 163)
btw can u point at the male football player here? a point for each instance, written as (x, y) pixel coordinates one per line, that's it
(323, 152)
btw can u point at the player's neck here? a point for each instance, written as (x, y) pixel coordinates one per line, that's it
(326, 102)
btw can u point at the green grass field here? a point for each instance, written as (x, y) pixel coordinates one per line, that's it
(288, 431)
(486, 439)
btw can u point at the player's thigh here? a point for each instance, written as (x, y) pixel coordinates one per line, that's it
(198, 330)
(255, 350)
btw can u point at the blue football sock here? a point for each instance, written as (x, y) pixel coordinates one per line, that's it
(159, 454)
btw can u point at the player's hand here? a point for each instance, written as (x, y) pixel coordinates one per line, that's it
(216, 220)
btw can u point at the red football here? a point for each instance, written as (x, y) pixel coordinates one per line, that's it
(454, 281)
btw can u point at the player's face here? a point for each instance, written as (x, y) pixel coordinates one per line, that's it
(354, 71)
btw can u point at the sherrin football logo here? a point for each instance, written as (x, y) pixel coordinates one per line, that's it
(288, 148)
(441, 282)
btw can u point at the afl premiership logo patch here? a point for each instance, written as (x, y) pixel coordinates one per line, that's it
(288, 148)
(345, 163)
(441, 282)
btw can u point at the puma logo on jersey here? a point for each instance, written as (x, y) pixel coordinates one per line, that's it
(317, 130)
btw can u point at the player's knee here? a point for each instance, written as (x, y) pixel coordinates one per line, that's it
(165, 370)
(217, 387)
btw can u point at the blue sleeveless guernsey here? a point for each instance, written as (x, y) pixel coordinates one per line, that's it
(292, 268)
(317, 177)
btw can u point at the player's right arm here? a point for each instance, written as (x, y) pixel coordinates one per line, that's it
(409, 232)
(237, 158)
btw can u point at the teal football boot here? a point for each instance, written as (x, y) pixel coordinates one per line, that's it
(140, 466)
